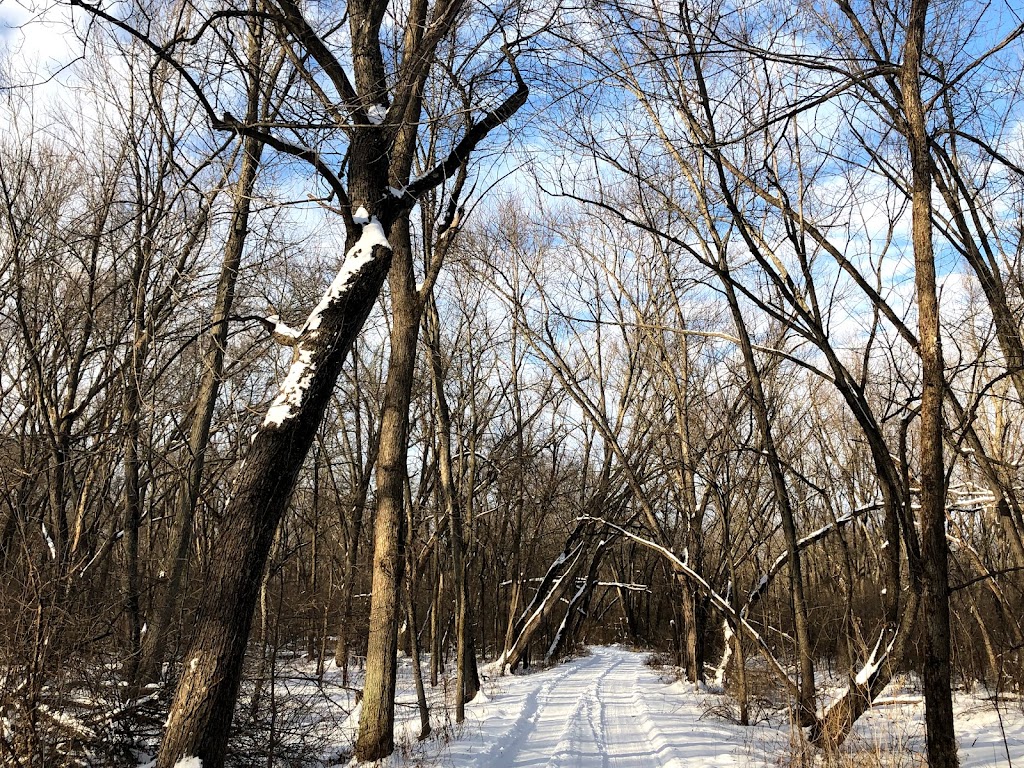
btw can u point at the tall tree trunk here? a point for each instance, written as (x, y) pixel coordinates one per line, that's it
(464, 690)
(414, 632)
(798, 599)
(133, 371)
(132, 479)
(378, 159)
(376, 724)
(355, 530)
(934, 549)
(436, 624)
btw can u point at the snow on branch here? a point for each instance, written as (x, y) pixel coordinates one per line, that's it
(727, 635)
(874, 661)
(300, 375)
(282, 332)
(716, 599)
(358, 256)
(967, 497)
(766, 578)
(867, 674)
(629, 587)
(293, 388)
(564, 624)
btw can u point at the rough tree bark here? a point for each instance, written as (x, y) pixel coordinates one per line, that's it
(380, 142)
(376, 724)
(203, 705)
(934, 549)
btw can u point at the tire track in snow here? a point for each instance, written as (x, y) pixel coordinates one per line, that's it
(607, 710)
(507, 749)
(629, 736)
(591, 715)
(572, 747)
(661, 749)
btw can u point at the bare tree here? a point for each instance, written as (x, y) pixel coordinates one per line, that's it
(376, 118)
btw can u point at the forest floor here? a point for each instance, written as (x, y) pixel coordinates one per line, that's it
(612, 709)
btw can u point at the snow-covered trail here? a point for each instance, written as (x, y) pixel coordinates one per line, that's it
(606, 710)
(609, 709)
(583, 717)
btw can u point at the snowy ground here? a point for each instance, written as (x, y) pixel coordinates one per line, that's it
(605, 709)
(609, 709)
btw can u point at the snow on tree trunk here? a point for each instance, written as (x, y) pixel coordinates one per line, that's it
(203, 705)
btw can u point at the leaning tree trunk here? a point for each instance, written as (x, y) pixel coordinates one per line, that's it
(552, 589)
(378, 158)
(203, 704)
(838, 719)
(798, 599)
(176, 560)
(578, 609)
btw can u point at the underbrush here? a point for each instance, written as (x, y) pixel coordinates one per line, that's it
(81, 717)
(990, 724)
(287, 717)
